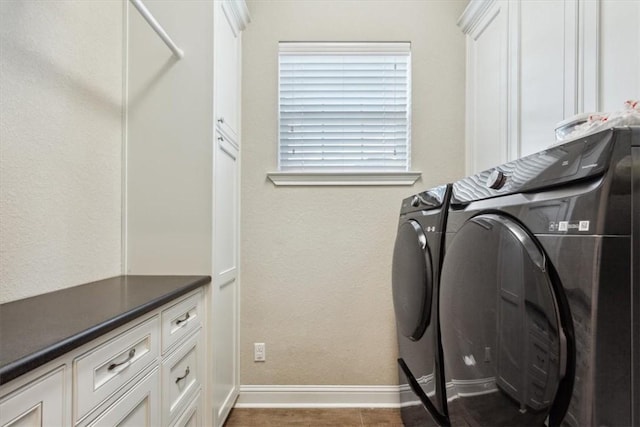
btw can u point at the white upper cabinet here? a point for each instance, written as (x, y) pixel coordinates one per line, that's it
(619, 53)
(532, 64)
(230, 19)
(487, 85)
(539, 80)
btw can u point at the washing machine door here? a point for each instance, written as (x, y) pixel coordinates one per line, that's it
(505, 347)
(412, 280)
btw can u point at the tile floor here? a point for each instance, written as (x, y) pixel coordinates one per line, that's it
(314, 417)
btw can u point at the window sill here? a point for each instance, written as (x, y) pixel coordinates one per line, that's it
(343, 178)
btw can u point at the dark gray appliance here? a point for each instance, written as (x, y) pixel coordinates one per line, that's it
(540, 287)
(417, 258)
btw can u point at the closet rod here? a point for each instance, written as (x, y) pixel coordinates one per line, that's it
(157, 28)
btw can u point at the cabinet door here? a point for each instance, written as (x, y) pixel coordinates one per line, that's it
(40, 403)
(619, 68)
(224, 313)
(227, 71)
(139, 407)
(487, 89)
(541, 26)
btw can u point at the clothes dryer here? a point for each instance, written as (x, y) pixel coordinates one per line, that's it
(417, 259)
(540, 287)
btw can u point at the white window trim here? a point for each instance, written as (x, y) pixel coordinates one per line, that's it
(294, 178)
(343, 178)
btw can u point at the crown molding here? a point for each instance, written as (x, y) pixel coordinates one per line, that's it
(474, 11)
(237, 13)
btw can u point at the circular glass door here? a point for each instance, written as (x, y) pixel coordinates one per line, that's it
(412, 280)
(504, 348)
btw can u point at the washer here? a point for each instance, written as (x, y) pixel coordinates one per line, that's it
(417, 259)
(540, 287)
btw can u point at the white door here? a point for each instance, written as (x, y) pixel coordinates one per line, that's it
(225, 304)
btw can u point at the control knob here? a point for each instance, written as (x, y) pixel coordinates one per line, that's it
(415, 202)
(496, 180)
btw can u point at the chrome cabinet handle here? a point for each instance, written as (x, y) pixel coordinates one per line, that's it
(184, 376)
(221, 120)
(220, 139)
(132, 353)
(186, 317)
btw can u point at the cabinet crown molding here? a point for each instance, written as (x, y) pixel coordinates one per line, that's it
(474, 11)
(238, 14)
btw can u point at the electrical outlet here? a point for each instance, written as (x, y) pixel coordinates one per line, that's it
(259, 352)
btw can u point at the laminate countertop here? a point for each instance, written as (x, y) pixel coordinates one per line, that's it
(36, 330)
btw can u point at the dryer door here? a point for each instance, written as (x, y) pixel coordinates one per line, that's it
(412, 280)
(505, 349)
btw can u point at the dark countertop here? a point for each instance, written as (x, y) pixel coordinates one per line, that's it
(36, 330)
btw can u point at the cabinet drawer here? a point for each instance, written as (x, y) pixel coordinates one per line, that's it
(181, 377)
(108, 367)
(136, 408)
(180, 320)
(192, 416)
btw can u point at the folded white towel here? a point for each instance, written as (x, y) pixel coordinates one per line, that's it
(588, 123)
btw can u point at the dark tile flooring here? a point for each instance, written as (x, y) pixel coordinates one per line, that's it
(355, 417)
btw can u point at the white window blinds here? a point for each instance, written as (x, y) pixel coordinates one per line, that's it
(344, 107)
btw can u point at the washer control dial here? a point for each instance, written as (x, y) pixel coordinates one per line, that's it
(496, 180)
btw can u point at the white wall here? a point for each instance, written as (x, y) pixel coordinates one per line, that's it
(316, 262)
(60, 144)
(170, 138)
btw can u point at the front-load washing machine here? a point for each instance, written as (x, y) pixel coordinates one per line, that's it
(417, 259)
(540, 287)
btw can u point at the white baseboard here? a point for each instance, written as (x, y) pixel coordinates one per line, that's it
(318, 396)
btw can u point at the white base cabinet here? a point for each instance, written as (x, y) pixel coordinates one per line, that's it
(39, 403)
(149, 372)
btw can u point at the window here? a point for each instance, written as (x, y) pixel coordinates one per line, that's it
(344, 107)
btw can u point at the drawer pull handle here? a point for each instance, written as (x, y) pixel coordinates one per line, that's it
(186, 317)
(132, 353)
(184, 376)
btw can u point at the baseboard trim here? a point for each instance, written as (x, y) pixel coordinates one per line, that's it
(318, 396)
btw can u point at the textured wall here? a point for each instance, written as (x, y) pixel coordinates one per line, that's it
(316, 262)
(60, 144)
(170, 138)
